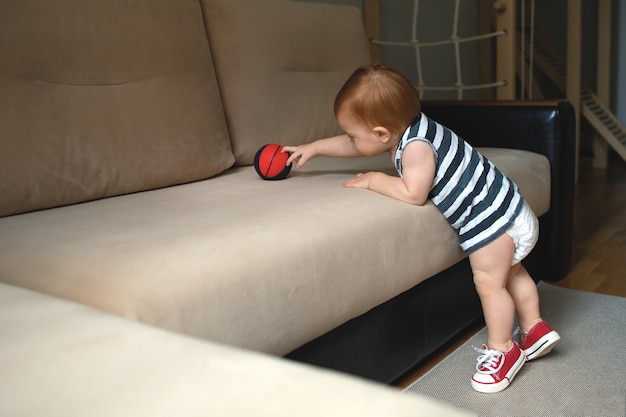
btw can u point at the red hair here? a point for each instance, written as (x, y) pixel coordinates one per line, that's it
(376, 95)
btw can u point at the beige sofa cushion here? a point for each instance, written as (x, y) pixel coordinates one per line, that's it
(101, 97)
(60, 359)
(280, 64)
(258, 264)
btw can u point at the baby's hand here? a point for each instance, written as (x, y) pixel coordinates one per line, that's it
(300, 154)
(360, 181)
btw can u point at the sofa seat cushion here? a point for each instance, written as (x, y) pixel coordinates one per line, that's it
(102, 98)
(265, 265)
(280, 64)
(62, 359)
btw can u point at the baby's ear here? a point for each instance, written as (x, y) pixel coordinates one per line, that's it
(382, 133)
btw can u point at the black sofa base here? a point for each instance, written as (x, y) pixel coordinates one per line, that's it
(390, 339)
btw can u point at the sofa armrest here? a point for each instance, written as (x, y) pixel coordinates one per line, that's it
(544, 127)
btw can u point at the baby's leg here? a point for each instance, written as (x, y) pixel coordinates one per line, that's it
(525, 296)
(502, 359)
(491, 266)
(537, 337)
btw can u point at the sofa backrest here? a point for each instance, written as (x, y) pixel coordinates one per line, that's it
(105, 97)
(280, 64)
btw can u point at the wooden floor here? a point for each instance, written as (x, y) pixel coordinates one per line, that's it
(599, 247)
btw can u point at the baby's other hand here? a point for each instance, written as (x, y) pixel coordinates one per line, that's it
(360, 181)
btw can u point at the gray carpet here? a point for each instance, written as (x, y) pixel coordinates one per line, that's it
(585, 375)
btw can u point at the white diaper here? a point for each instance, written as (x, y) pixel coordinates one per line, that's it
(524, 231)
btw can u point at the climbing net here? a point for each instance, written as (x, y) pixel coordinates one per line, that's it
(456, 41)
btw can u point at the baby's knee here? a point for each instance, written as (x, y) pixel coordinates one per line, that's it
(483, 280)
(490, 280)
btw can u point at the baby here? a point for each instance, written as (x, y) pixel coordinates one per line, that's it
(379, 110)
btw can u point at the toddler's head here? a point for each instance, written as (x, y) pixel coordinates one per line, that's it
(376, 95)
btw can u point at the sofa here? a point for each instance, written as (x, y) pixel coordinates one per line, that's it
(60, 358)
(128, 131)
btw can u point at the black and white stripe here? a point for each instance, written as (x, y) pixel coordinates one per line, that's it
(476, 198)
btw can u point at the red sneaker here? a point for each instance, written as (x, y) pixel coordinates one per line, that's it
(538, 341)
(495, 369)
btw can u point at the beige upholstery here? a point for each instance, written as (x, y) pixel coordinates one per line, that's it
(280, 64)
(102, 97)
(116, 98)
(63, 359)
(257, 264)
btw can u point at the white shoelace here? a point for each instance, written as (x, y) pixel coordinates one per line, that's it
(490, 361)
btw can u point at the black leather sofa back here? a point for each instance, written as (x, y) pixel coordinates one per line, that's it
(547, 128)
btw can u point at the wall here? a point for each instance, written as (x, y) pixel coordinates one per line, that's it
(435, 23)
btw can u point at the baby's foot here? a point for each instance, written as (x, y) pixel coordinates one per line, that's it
(495, 369)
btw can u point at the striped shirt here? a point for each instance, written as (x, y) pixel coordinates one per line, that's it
(478, 200)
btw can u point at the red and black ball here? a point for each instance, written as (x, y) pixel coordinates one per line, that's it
(269, 162)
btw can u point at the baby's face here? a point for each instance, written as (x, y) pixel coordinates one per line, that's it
(366, 140)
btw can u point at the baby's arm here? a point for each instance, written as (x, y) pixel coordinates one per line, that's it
(418, 172)
(337, 146)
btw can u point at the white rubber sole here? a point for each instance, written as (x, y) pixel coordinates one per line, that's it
(543, 346)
